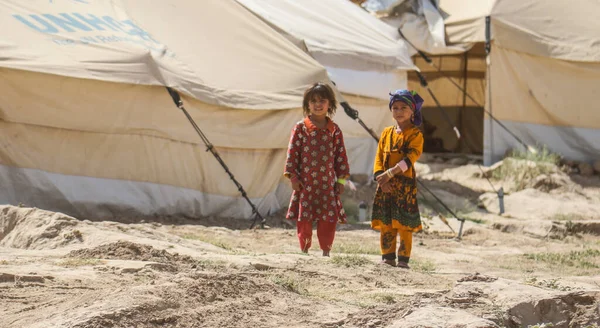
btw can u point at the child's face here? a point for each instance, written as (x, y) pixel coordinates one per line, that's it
(318, 106)
(401, 112)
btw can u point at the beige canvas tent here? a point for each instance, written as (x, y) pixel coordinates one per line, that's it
(365, 57)
(87, 127)
(543, 73)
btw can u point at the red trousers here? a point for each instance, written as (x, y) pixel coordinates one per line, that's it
(325, 234)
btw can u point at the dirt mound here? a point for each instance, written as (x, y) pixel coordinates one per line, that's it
(125, 250)
(570, 310)
(210, 300)
(32, 228)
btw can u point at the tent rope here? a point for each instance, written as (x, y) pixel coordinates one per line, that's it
(431, 63)
(211, 148)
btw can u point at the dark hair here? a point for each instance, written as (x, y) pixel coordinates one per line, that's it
(323, 91)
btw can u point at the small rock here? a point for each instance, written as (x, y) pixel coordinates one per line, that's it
(586, 169)
(262, 267)
(550, 182)
(130, 270)
(7, 277)
(31, 278)
(597, 166)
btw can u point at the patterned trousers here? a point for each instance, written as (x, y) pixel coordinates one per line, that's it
(388, 242)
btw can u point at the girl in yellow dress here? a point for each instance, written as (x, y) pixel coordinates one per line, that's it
(395, 207)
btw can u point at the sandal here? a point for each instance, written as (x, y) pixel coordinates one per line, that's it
(389, 262)
(402, 265)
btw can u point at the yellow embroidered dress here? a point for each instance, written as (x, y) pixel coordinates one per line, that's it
(398, 209)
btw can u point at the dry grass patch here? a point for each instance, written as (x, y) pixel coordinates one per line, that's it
(350, 261)
(356, 248)
(585, 259)
(423, 266)
(77, 262)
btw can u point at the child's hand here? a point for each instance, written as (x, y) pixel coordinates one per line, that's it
(297, 185)
(383, 178)
(386, 187)
(339, 188)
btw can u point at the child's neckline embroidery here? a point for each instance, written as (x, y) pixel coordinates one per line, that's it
(312, 127)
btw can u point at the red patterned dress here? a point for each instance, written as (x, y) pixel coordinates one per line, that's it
(317, 157)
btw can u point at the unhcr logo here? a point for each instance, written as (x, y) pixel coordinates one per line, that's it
(79, 22)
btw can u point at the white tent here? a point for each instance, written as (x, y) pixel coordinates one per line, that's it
(544, 69)
(88, 128)
(365, 57)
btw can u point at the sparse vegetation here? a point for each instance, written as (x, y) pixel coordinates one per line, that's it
(543, 155)
(3, 262)
(350, 260)
(354, 248)
(211, 240)
(424, 266)
(211, 264)
(472, 218)
(384, 298)
(578, 259)
(551, 284)
(292, 284)
(567, 217)
(522, 167)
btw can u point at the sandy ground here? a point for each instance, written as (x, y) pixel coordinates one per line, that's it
(538, 263)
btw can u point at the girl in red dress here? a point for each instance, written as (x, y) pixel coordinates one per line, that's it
(317, 167)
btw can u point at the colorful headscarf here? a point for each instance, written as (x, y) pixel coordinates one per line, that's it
(412, 99)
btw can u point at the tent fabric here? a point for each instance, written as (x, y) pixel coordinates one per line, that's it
(141, 147)
(130, 42)
(364, 57)
(99, 199)
(337, 33)
(574, 143)
(367, 84)
(125, 109)
(554, 29)
(544, 101)
(417, 30)
(465, 20)
(544, 71)
(88, 128)
(566, 30)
